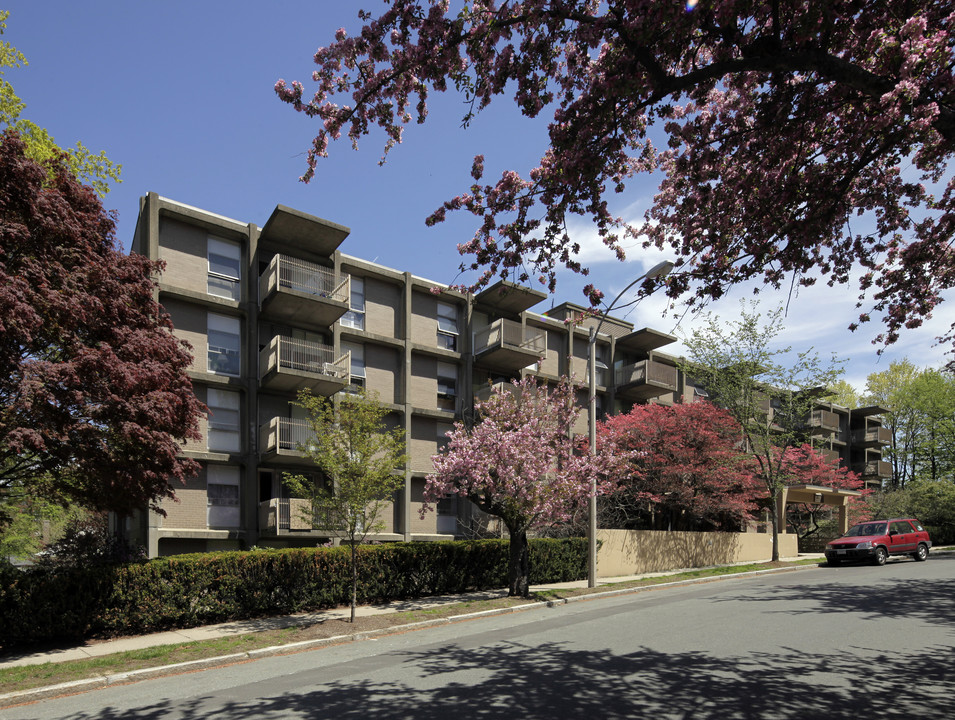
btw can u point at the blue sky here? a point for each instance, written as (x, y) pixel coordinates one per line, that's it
(181, 93)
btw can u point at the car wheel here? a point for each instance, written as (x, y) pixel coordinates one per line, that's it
(921, 554)
(833, 562)
(880, 556)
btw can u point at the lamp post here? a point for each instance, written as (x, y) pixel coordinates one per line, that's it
(657, 270)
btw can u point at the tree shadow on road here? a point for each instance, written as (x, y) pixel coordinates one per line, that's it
(896, 595)
(509, 679)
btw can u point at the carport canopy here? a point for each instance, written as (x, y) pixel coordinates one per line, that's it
(816, 495)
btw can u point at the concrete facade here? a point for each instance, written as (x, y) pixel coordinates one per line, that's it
(270, 310)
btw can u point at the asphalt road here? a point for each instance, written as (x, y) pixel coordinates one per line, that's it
(861, 642)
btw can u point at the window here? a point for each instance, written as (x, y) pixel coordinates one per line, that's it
(355, 317)
(224, 345)
(225, 269)
(442, 431)
(222, 496)
(447, 519)
(447, 386)
(601, 369)
(224, 421)
(447, 326)
(357, 379)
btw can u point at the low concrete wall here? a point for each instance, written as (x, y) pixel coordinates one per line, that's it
(633, 552)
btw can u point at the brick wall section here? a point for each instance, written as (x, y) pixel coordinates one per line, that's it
(191, 510)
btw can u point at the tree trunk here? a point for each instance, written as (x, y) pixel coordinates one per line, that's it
(519, 568)
(354, 580)
(774, 508)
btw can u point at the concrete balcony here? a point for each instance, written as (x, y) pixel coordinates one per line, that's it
(644, 380)
(291, 516)
(872, 437)
(823, 422)
(873, 468)
(280, 440)
(289, 365)
(483, 393)
(507, 345)
(303, 294)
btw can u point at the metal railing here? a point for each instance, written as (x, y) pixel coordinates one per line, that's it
(285, 434)
(290, 273)
(285, 353)
(509, 333)
(283, 515)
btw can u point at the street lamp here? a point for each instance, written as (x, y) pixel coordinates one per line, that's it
(658, 270)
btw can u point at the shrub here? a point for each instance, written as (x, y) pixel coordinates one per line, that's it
(56, 602)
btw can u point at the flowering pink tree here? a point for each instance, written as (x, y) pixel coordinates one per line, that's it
(518, 463)
(783, 120)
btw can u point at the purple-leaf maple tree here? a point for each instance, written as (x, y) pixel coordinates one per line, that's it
(94, 395)
(797, 138)
(519, 463)
(685, 466)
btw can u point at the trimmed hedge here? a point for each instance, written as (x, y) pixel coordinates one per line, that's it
(189, 590)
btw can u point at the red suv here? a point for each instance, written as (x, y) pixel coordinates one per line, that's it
(877, 539)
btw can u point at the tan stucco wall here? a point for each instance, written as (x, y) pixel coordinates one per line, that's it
(633, 552)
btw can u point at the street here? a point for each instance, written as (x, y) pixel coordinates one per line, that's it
(848, 642)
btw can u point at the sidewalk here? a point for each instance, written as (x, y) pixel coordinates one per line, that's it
(242, 627)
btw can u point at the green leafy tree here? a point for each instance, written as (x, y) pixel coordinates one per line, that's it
(769, 391)
(358, 457)
(28, 523)
(920, 413)
(932, 395)
(93, 169)
(845, 394)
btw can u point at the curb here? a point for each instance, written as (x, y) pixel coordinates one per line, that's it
(22, 697)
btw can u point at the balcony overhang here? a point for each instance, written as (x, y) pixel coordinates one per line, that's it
(292, 380)
(302, 309)
(509, 298)
(640, 391)
(645, 340)
(506, 357)
(869, 411)
(287, 227)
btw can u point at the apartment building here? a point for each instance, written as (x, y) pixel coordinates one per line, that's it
(275, 309)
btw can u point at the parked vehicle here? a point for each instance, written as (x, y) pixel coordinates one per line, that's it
(876, 540)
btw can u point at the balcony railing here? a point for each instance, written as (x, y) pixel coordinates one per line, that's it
(291, 364)
(287, 353)
(873, 436)
(646, 371)
(303, 276)
(284, 515)
(879, 468)
(300, 292)
(284, 435)
(509, 343)
(824, 420)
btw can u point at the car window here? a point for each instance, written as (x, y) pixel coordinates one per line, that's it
(917, 525)
(872, 528)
